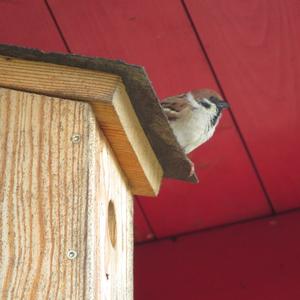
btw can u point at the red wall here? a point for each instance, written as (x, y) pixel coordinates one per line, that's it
(258, 260)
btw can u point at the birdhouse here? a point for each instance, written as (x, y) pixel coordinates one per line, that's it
(79, 138)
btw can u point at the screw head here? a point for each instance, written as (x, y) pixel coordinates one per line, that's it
(75, 138)
(71, 254)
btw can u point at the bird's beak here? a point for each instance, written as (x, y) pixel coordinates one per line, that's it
(222, 104)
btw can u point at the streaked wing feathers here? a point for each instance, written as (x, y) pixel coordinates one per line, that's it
(174, 107)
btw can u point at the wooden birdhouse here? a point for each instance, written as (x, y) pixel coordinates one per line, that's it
(79, 137)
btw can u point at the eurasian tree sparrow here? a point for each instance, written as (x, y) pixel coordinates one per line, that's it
(193, 116)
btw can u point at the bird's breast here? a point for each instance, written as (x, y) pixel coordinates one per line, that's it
(193, 130)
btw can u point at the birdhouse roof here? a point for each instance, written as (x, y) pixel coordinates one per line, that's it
(142, 96)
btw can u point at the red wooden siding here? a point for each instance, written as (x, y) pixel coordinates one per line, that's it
(254, 47)
(158, 35)
(28, 23)
(258, 260)
(142, 231)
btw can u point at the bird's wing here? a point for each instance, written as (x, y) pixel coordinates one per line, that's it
(175, 107)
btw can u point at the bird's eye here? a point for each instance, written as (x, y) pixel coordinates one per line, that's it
(205, 104)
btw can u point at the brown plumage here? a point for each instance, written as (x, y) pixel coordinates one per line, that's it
(194, 116)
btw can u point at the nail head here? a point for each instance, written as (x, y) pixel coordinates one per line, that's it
(75, 138)
(72, 254)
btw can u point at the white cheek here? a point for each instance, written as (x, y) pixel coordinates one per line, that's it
(192, 100)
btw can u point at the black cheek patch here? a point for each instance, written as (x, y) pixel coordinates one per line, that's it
(205, 104)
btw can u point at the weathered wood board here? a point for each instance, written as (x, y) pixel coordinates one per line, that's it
(171, 157)
(65, 205)
(114, 112)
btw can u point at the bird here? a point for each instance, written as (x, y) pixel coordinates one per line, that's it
(194, 116)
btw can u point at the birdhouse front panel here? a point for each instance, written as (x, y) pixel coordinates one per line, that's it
(43, 187)
(66, 207)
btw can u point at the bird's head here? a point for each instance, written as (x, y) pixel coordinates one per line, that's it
(212, 104)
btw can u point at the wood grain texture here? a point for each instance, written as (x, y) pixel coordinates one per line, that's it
(43, 197)
(109, 260)
(157, 34)
(142, 96)
(113, 109)
(254, 48)
(54, 198)
(57, 80)
(126, 137)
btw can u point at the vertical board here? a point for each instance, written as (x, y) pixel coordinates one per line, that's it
(110, 223)
(258, 260)
(57, 196)
(254, 48)
(43, 188)
(157, 34)
(29, 23)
